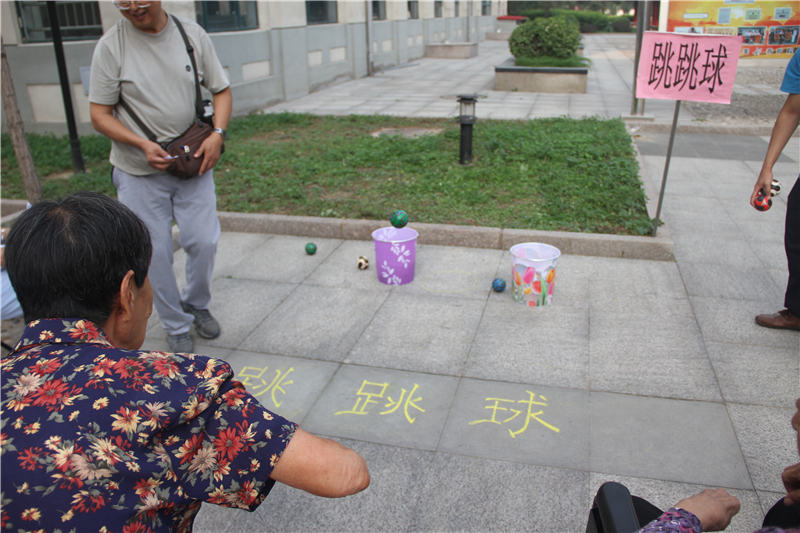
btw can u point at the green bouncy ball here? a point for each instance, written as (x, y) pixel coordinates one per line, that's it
(399, 218)
(311, 248)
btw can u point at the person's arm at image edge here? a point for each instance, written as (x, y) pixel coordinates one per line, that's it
(709, 510)
(321, 466)
(782, 131)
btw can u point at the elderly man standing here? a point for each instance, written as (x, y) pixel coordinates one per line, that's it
(99, 435)
(142, 63)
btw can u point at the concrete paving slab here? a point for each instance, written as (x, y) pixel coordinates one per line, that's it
(463, 494)
(451, 272)
(546, 345)
(767, 440)
(241, 305)
(627, 363)
(386, 406)
(340, 268)
(733, 321)
(699, 248)
(317, 322)
(231, 249)
(646, 452)
(615, 278)
(740, 281)
(288, 386)
(755, 374)
(525, 423)
(283, 259)
(420, 333)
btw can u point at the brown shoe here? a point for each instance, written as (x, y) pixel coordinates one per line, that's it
(784, 319)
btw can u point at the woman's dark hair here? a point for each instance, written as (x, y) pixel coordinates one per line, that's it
(67, 259)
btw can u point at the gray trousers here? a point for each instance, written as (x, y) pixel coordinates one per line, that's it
(158, 199)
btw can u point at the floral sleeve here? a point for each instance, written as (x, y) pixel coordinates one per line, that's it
(225, 444)
(674, 520)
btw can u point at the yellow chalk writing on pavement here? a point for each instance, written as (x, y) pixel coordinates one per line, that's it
(256, 383)
(371, 392)
(496, 408)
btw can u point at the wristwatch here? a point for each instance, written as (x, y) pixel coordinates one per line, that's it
(221, 132)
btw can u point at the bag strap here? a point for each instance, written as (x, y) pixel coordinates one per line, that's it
(189, 50)
(137, 120)
(198, 111)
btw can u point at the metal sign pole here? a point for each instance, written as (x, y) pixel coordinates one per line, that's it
(666, 165)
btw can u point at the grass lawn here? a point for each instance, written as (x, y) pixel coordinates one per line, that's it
(548, 174)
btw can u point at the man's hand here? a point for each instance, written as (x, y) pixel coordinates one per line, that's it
(210, 151)
(714, 508)
(157, 157)
(763, 183)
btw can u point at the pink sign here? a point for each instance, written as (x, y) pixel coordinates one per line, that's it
(701, 68)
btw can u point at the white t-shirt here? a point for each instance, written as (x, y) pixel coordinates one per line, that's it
(153, 73)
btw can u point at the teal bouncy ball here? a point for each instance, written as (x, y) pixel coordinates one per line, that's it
(311, 248)
(499, 285)
(399, 218)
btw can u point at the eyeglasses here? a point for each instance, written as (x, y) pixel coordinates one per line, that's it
(125, 6)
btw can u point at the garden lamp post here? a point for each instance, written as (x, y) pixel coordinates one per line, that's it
(466, 117)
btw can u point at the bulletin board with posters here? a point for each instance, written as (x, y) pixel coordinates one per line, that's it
(768, 28)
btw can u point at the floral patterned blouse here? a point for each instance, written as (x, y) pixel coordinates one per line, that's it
(97, 438)
(676, 520)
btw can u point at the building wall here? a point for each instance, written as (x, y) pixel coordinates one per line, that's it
(283, 59)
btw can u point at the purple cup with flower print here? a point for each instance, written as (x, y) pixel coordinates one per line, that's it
(395, 251)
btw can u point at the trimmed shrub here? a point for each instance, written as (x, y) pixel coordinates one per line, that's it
(589, 21)
(621, 24)
(555, 37)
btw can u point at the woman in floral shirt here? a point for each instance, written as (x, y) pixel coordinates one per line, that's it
(99, 436)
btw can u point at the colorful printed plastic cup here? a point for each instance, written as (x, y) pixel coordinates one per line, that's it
(395, 250)
(533, 273)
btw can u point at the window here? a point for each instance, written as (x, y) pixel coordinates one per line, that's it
(486, 7)
(227, 16)
(323, 12)
(77, 20)
(437, 8)
(378, 9)
(456, 7)
(413, 9)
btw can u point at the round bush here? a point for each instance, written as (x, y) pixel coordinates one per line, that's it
(555, 37)
(621, 24)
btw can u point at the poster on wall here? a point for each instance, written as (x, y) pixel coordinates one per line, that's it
(767, 28)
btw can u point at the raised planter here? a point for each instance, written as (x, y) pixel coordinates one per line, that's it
(452, 50)
(509, 77)
(498, 35)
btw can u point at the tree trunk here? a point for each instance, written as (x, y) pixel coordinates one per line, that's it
(16, 129)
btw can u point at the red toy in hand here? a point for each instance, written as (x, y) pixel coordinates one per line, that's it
(762, 202)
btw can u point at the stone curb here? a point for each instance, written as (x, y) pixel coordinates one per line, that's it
(622, 246)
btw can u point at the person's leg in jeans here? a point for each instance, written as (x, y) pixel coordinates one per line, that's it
(150, 197)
